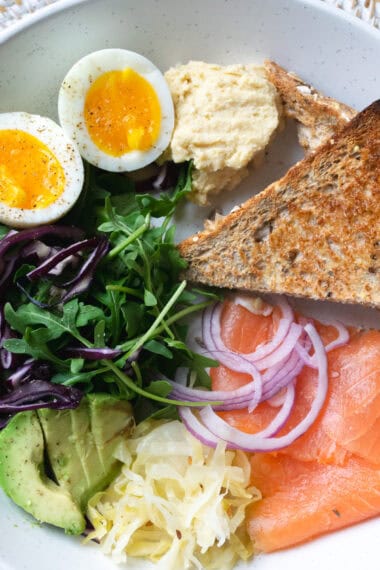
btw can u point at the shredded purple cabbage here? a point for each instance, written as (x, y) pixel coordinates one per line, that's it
(36, 249)
(29, 388)
(16, 237)
(30, 370)
(8, 360)
(25, 383)
(78, 284)
(52, 261)
(39, 394)
(164, 178)
(32, 248)
(92, 353)
(7, 268)
(84, 277)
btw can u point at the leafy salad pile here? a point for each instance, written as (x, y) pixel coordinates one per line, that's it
(96, 304)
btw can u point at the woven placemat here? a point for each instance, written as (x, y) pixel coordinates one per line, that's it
(12, 11)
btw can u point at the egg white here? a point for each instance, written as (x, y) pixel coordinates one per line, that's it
(66, 153)
(71, 103)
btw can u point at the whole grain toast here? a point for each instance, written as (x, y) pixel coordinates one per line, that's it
(318, 117)
(314, 233)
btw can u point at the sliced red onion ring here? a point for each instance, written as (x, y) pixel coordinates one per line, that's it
(228, 433)
(213, 425)
(280, 376)
(342, 338)
(248, 395)
(283, 415)
(194, 426)
(252, 304)
(272, 381)
(181, 375)
(228, 404)
(307, 358)
(245, 397)
(212, 337)
(201, 432)
(283, 349)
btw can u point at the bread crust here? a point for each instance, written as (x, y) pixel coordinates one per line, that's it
(318, 117)
(315, 233)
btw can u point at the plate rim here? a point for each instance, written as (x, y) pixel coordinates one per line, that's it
(64, 5)
(50, 10)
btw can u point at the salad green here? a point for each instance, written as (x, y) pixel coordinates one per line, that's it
(126, 333)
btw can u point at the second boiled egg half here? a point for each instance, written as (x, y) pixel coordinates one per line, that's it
(41, 171)
(116, 105)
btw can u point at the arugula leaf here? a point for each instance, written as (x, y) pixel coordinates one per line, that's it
(99, 331)
(16, 345)
(166, 413)
(32, 345)
(166, 203)
(158, 348)
(82, 377)
(88, 313)
(179, 345)
(133, 314)
(149, 299)
(76, 365)
(56, 325)
(159, 387)
(3, 231)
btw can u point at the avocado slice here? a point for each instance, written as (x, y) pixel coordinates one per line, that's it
(77, 446)
(23, 478)
(119, 420)
(80, 443)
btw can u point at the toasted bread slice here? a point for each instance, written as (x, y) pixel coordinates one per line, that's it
(318, 117)
(315, 233)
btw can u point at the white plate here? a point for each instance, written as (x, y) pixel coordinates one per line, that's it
(326, 47)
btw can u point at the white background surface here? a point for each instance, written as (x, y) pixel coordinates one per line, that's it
(338, 54)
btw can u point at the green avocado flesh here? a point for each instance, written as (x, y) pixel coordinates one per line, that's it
(79, 445)
(23, 478)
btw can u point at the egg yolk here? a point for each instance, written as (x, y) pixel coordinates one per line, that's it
(122, 112)
(31, 177)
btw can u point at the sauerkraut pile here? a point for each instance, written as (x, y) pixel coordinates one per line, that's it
(176, 502)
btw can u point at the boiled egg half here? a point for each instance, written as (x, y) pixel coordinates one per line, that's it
(41, 171)
(116, 105)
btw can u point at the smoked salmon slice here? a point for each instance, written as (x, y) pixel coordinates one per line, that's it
(335, 466)
(303, 500)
